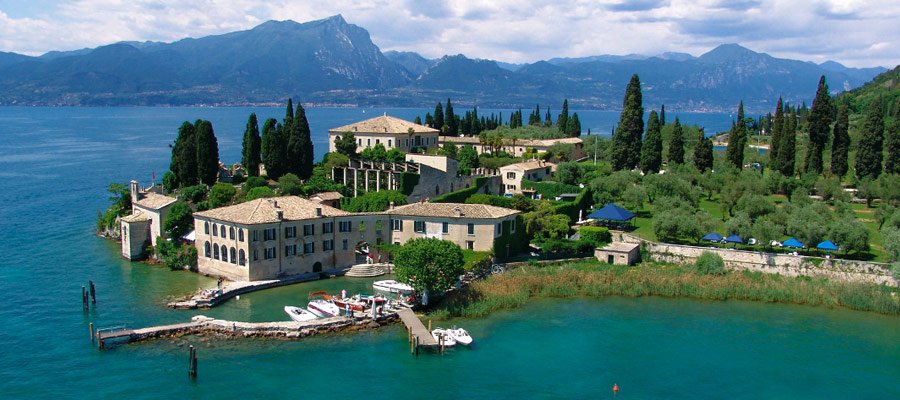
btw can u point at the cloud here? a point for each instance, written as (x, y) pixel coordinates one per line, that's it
(853, 32)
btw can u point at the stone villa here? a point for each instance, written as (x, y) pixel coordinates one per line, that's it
(144, 225)
(388, 131)
(533, 170)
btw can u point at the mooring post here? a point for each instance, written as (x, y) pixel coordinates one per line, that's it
(192, 362)
(442, 343)
(416, 343)
(93, 293)
(91, 331)
(84, 301)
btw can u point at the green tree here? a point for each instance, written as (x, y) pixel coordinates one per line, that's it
(179, 221)
(221, 194)
(395, 155)
(634, 197)
(259, 192)
(345, 144)
(820, 118)
(662, 115)
(373, 201)
(290, 185)
(450, 150)
(468, 158)
(273, 149)
(869, 153)
(439, 117)
(625, 151)
(374, 153)
(573, 126)
(777, 134)
(737, 140)
(840, 142)
(892, 159)
(676, 145)
(703, 153)
(765, 231)
(788, 147)
(850, 234)
(710, 263)
(184, 156)
(429, 265)
(307, 157)
(207, 153)
(891, 238)
(651, 150)
(251, 147)
(451, 120)
(562, 121)
(740, 224)
(568, 173)
(169, 182)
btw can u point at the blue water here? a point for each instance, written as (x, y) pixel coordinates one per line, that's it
(56, 162)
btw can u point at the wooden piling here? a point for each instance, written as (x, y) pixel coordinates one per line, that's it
(84, 298)
(416, 345)
(93, 293)
(91, 331)
(192, 362)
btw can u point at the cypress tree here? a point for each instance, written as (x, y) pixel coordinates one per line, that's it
(451, 120)
(737, 140)
(820, 118)
(207, 153)
(626, 144)
(869, 154)
(676, 145)
(273, 147)
(562, 122)
(892, 161)
(184, 156)
(840, 142)
(547, 121)
(662, 115)
(788, 147)
(651, 151)
(574, 126)
(418, 120)
(775, 138)
(289, 116)
(307, 156)
(251, 147)
(703, 153)
(439, 117)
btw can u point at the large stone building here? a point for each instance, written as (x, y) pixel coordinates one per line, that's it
(533, 170)
(388, 131)
(276, 237)
(148, 213)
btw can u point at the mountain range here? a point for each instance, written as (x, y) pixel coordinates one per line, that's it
(332, 62)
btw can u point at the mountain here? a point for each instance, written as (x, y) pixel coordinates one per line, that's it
(885, 86)
(330, 61)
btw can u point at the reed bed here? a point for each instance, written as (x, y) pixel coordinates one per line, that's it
(592, 279)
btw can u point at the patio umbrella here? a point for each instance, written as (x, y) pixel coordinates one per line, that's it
(713, 237)
(827, 245)
(734, 238)
(793, 243)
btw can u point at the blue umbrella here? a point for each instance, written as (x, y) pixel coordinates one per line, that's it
(827, 245)
(612, 212)
(713, 237)
(734, 238)
(793, 243)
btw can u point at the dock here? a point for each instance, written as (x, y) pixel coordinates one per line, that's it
(212, 297)
(418, 334)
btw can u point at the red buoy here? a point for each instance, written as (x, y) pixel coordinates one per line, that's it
(615, 388)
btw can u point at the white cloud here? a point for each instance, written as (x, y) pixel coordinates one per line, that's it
(856, 33)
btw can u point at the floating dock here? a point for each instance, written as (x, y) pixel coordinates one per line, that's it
(419, 336)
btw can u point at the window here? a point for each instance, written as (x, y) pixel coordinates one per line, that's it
(377, 141)
(397, 225)
(222, 231)
(309, 248)
(255, 254)
(360, 142)
(290, 232)
(419, 226)
(270, 253)
(224, 253)
(328, 227)
(344, 244)
(445, 227)
(206, 250)
(470, 245)
(510, 175)
(471, 229)
(328, 245)
(255, 235)
(269, 234)
(233, 253)
(309, 230)
(290, 250)
(368, 142)
(215, 230)
(498, 229)
(547, 171)
(345, 226)
(206, 227)
(231, 232)
(215, 252)
(390, 142)
(512, 226)
(242, 258)
(240, 235)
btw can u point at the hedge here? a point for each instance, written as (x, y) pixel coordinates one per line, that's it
(408, 182)
(549, 188)
(461, 195)
(595, 235)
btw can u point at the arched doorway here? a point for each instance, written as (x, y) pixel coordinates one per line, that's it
(317, 267)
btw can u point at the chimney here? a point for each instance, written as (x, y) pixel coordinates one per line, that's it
(391, 206)
(318, 211)
(458, 211)
(279, 214)
(134, 191)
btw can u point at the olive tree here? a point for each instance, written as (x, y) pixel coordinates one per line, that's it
(428, 264)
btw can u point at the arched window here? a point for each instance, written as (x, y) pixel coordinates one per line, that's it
(215, 252)
(231, 232)
(206, 227)
(240, 235)
(242, 258)
(215, 232)
(206, 250)
(233, 258)
(224, 253)
(222, 230)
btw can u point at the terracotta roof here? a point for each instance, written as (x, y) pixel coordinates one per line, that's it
(154, 201)
(449, 210)
(261, 211)
(529, 165)
(509, 141)
(137, 216)
(326, 196)
(383, 124)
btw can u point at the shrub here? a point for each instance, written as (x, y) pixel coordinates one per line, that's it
(373, 201)
(550, 189)
(193, 194)
(596, 236)
(461, 195)
(476, 260)
(253, 182)
(492, 200)
(259, 192)
(289, 185)
(710, 264)
(221, 194)
(408, 181)
(176, 257)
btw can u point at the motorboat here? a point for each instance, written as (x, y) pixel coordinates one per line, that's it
(460, 335)
(392, 286)
(323, 308)
(299, 314)
(448, 339)
(344, 303)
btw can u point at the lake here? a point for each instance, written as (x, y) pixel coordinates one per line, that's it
(56, 162)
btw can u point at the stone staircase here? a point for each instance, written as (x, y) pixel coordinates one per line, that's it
(368, 270)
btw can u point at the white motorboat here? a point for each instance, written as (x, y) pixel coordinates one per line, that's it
(392, 286)
(299, 314)
(460, 335)
(323, 308)
(438, 333)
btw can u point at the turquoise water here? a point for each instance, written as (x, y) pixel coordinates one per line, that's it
(56, 162)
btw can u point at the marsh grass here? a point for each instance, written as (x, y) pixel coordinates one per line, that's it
(592, 279)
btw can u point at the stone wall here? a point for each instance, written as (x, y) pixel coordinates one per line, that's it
(782, 264)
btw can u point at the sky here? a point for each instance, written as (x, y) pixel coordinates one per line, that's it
(860, 33)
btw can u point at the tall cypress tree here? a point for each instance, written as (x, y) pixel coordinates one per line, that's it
(625, 150)
(840, 142)
(820, 118)
(703, 153)
(451, 119)
(869, 153)
(307, 156)
(251, 147)
(273, 147)
(662, 115)
(676, 145)
(439, 117)
(737, 140)
(207, 153)
(289, 115)
(892, 160)
(184, 156)
(573, 128)
(788, 147)
(775, 139)
(651, 150)
(562, 122)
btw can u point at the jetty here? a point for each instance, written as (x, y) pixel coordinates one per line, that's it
(207, 298)
(419, 336)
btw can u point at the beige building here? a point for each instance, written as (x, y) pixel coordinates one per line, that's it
(516, 147)
(534, 170)
(619, 253)
(388, 131)
(148, 213)
(470, 226)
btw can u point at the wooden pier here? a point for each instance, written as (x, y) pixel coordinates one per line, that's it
(419, 335)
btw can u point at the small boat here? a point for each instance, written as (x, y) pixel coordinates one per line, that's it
(460, 335)
(438, 333)
(344, 303)
(299, 314)
(392, 286)
(323, 308)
